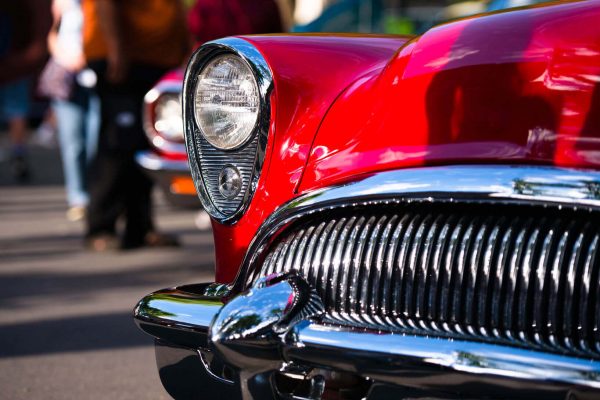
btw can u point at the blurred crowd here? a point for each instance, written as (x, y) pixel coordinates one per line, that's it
(92, 62)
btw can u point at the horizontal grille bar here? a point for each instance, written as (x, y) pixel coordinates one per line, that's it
(526, 276)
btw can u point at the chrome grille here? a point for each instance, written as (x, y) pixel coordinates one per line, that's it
(214, 160)
(525, 276)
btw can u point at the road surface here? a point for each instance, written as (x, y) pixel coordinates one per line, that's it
(66, 330)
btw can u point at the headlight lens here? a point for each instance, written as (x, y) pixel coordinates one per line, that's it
(168, 119)
(226, 102)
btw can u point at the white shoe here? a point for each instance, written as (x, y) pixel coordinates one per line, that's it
(76, 213)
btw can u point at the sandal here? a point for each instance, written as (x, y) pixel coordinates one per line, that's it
(155, 239)
(101, 243)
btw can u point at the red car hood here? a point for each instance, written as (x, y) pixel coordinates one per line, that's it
(516, 87)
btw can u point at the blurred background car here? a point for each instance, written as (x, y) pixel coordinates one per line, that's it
(166, 161)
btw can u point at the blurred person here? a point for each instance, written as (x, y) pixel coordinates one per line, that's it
(130, 45)
(77, 111)
(24, 25)
(286, 11)
(213, 19)
(45, 134)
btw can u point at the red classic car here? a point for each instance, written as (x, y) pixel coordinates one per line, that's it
(166, 161)
(395, 217)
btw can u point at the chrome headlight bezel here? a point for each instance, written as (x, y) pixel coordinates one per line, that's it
(158, 139)
(206, 161)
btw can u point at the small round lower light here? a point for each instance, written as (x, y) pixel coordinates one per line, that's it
(230, 182)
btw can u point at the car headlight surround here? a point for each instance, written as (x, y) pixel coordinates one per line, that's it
(227, 113)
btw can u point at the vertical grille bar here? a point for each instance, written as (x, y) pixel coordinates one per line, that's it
(347, 268)
(586, 297)
(353, 298)
(436, 272)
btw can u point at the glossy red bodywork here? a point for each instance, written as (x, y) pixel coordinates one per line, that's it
(519, 87)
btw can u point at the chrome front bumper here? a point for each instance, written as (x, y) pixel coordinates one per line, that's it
(239, 344)
(208, 322)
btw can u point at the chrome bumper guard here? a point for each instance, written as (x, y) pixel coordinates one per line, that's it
(275, 326)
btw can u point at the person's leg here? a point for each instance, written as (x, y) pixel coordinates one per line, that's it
(106, 173)
(16, 106)
(70, 122)
(127, 136)
(47, 132)
(139, 228)
(89, 135)
(92, 124)
(138, 205)
(106, 200)
(17, 128)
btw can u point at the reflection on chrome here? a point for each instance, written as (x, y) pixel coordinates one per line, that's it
(275, 326)
(476, 358)
(534, 185)
(278, 326)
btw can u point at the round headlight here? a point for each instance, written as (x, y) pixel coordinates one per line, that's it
(227, 102)
(168, 120)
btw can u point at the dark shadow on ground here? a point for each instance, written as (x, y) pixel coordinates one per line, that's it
(86, 333)
(80, 284)
(47, 247)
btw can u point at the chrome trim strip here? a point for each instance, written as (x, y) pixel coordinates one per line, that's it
(155, 163)
(167, 146)
(532, 185)
(209, 371)
(264, 78)
(313, 344)
(540, 185)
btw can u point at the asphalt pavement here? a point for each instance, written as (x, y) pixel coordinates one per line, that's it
(66, 330)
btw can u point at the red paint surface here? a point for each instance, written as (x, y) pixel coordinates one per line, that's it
(519, 87)
(309, 72)
(175, 75)
(171, 155)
